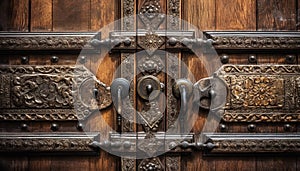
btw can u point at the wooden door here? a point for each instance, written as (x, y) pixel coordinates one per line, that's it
(62, 108)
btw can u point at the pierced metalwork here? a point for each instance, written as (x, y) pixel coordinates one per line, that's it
(151, 65)
(151, 42)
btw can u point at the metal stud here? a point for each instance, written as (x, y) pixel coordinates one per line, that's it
(252, 59)
(24, 59)
(223, 128)
(290, 59)
(172, 41)
(54, 127)
(54, 59)
(224, 59)
(251, 127)
(287, 127)
(79, 126)
(82, 59)
(24, 127)
(127, 41)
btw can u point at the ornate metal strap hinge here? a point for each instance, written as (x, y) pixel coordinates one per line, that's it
(159, 143)
(150, 41)
(255, 93)
(53, 92)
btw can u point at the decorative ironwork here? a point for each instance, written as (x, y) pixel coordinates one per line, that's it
(49, 41)
(261, 93)
(173, 15)
(173, 70)
(128, 15)
(173, 163)
(151, 115)
(128, 164)
(150, 15)
(35, 93)
(151, 65)
(254, 40)
(44, 142)
(151, 164)
(255, 143)
(151, 42)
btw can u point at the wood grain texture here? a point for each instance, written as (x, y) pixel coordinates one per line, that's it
(276, 163)
(41, 15)
(200, 13)
(235, 15)
(235, 163)
(14, 15)
(276, 15)
(71, 15)
(102, 13)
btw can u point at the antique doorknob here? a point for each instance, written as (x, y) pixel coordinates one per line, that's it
(149, 87)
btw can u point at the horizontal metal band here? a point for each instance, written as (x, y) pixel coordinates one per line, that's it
(45, 41)
(47, 142)
(255, 40)
(254, 143)
(221, 40)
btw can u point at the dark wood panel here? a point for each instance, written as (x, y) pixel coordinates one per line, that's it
(276, 163)
(235, 15)
(276, 15)
(235, 163)
(14, 15)
(71, 15)
(41, 15)
(13, 163)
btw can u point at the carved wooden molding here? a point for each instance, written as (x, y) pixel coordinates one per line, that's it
(261, 93)
(255, 40)
(254, 143)
(47, 142)
(49, 92)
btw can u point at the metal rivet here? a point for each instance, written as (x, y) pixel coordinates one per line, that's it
(54, 59)
(224, 59)
(54, 127)
(252, 59)
(290, 59)
(223, 127)
(172, 41)
(127, 42)
(79, 126)
(172, 145)
(287, 127)
(127, 144)
(212, 94)
(24, 60)
(251, 127)
(82, 59)
(24, 127)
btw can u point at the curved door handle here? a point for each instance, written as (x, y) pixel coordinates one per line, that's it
(119, 90)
